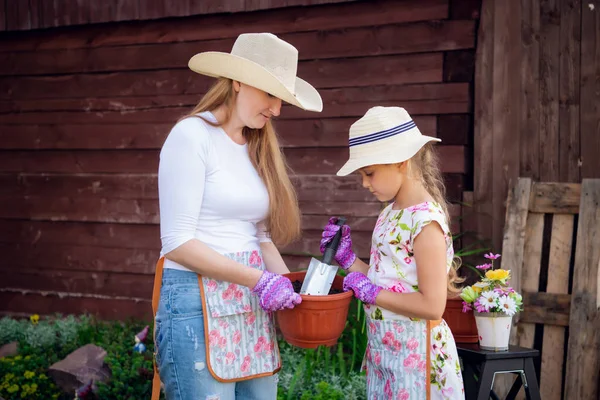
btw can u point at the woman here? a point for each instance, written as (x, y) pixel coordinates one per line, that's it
(225, 199)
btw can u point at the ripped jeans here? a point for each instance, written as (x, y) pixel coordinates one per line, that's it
(181, 354)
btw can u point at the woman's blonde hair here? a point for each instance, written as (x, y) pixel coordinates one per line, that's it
(427, 164)
(283, 219)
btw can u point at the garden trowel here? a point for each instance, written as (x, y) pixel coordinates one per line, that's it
(320, 274)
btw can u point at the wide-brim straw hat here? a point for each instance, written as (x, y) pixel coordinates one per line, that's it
(264, 61)
(384, 135)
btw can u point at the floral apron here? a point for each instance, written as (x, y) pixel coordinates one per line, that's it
(240, 337)
(411, 360)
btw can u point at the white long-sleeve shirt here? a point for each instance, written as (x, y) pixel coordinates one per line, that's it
(209, 190)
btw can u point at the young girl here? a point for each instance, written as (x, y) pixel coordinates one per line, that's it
(411, 353)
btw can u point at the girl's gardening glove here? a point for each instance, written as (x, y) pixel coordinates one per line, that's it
(276, 292)
(363, 288)
(344, 255)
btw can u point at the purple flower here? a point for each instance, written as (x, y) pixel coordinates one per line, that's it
(484, 266)
(492, 256)
(466, 307)
(479, 307)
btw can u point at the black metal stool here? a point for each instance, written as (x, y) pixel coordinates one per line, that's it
(484, 364)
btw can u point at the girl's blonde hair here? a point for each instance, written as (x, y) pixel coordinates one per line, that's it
(283, 219)
(427, 164)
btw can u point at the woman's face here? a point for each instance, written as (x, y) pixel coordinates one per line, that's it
(255, 107)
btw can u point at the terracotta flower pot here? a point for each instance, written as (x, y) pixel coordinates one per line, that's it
(318, 320)
(462, 325)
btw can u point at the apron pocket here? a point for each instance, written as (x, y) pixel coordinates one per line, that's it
(226, 298)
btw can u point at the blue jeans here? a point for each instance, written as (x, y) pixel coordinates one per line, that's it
(181, 353)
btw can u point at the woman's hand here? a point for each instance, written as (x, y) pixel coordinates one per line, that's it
(344, 255)
(276, 292)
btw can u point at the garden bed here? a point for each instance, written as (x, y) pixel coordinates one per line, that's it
(323, 373)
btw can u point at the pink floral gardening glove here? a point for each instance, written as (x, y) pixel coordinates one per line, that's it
(344, 255)
(362, 287)
(276, 292)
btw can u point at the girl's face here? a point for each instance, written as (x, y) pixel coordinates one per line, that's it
(384, 180)
(253, 106)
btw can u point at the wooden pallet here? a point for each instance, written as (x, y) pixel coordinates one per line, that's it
(552, 247)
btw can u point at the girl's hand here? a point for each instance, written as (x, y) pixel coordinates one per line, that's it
(276, 292)
(344, 255)
(362, 287)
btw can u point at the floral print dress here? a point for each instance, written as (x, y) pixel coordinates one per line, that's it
(407, 358)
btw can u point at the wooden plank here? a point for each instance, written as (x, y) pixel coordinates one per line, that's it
(12, 16)
(583, 357)
(555, 198)
(52, 303)
(35, 7)
(307, 161)
(590, 89)
(328, 132)
(169, 115)
(465, 9)
(137, 187)
(530, 79)
(506, 109)
(47, 16)
(3, 15)
(453, 129)
(551, 310)
(549, 90)
(483, 169)
(459, 66)
(82, 258)
(105, 11)
(137, 211)
(381, 70)
(432, 98)
(128, 10)
(569, 91)
(517, 231)
(534, 234)
(60, 233)
(558, 282)
(78, 282)
(358, 42)
(230, 26)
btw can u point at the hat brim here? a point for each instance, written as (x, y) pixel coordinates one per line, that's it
(219, 64)
(392, 156)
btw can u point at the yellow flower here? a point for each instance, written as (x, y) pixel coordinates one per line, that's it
(34, 318)
(497, 274)
(476, 289)
(18, 358)
(29, 374)
(13, 388)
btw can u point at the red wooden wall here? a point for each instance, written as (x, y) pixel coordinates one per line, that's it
(84, 111)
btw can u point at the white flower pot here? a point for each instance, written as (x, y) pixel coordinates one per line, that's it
(493, 330)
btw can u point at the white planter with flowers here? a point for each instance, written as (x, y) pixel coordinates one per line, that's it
(495, 303)
(493, 330)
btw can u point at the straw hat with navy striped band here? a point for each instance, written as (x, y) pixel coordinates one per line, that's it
(384, 135)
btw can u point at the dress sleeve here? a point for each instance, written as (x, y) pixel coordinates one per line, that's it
(181, 180)
(423, 215)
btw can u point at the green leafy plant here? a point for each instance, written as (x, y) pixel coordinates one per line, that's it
(24, 377)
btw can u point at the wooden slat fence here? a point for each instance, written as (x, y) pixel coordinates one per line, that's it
(552, 246)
